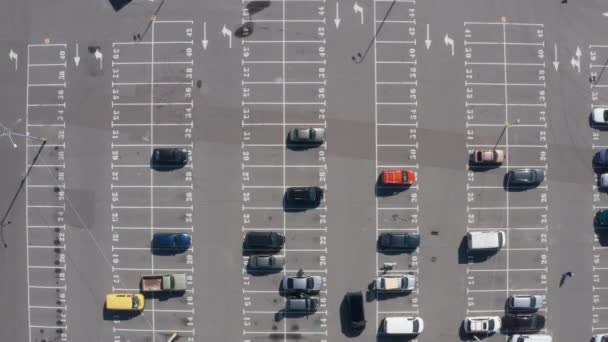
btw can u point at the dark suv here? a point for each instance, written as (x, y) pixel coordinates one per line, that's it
(528, 323)
(264, 241)
(355, 311)
(398, 241)
(304, 196)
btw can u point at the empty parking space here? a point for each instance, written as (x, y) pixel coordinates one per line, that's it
(152, 108)
(505, 106)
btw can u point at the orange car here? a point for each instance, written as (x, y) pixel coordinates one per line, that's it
(398, 177)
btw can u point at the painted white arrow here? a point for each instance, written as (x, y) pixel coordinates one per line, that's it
(227, 33)
(358, 9)
(449, 41)
(555, 61)
(428, 37)
(99, 57)
(337, 20)
(205, 41)
(576, 59)
(77, 58)
(13, 56)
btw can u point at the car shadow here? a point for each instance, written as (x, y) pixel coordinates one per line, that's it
(290, 207)
(244, 30)
(254, 7)
(390, 251)
(291, 145)
(115, 315)
(601, 234)
(466, 256)
(345, 320)
(248, 251)
(284, 314)
(164, 167)
(462, 334)
(382, 337)
(167, 251)
(593, 125)
(261, 273)
(162, 295)
(383, 190)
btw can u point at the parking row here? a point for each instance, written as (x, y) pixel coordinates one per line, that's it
(45, 186)
(599, 141)
(152, 207)
(507, 170)
(284, 171)
(397, 211)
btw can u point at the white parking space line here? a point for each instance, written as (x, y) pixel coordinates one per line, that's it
(54, 58)
(482, 78)
(157, 55)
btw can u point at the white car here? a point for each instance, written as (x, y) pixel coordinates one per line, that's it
(526, 302)
(600, 338)
(600, 116)
(402, 325)
(482, 324)
(395, 282)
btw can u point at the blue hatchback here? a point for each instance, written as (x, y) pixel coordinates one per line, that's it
(171, 241)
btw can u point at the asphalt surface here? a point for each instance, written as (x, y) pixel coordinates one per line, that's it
(81, 224)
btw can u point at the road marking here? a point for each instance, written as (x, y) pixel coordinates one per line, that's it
(398, 208)
(503, 43)
(152, 145)
(503, 125)
(396, 41)
(510, 207)
(142, 269)
(490, 104)
(510, 269)
(153, 104)
(507, 290)
(48, 307)
(499, 23)
(191, 42)
(281, 62)
(503, 63)
(510, 145)
(191, 62)
(47, 287)
(155, 228)
(151, 207)
(399, 312)
(154, 186)
(415, 229)
(506, 84)
(286, 103)
(322, 166)
(280, 229)
(188, 124)
(285, 332)
(286, 41)
(46, 84)
(154, 330)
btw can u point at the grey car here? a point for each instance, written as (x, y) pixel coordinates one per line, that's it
(526, 302)
(309, 304)
(307, 135)
(266, 262)
(526, 176)
(303, 284)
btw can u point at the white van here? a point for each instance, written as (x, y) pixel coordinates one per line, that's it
(402, 325)
(531, 338)
(486, 240)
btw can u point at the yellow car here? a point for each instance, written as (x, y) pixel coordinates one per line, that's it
(125, 301)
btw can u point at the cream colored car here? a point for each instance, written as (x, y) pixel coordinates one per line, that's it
(395, 282)
(488, 156)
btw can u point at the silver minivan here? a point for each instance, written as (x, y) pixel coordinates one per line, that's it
(531, 338)
(302, 304)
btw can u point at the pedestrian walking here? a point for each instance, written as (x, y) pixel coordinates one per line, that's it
(567, 274)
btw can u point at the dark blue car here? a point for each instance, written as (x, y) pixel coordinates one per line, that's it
(171, 242)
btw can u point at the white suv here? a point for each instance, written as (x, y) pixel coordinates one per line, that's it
(482, 324)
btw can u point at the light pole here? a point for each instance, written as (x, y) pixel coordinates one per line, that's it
(504, 129)
(9, 133)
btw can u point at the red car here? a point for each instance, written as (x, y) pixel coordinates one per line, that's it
(398, 177)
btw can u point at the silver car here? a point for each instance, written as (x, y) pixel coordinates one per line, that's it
(395, 282)
(302, 284)
(266, 262)
(302, 304)
(526, 302)
(307, 135)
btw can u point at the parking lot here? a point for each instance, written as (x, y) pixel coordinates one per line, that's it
(151, 108)
(505, 73)
(283, 87)
(45, 191)
(397, 85)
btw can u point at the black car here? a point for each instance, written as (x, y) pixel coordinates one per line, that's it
(399, 241)
(264, 241)
(304, 196)
(169, 157)
(526, 176)
(355, 311)
(528, 323)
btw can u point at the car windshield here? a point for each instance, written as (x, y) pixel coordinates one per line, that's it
(310, 283)
(290, 283)
(532, 301)
(491, 324)
(404, 282)
(523, 175)
(312, 133)
(416, 325)
(270, 261)
(479, 155)
(606, 115)
(135, 302)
